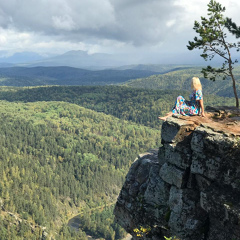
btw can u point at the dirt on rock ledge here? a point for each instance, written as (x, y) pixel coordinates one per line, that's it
(220, 119)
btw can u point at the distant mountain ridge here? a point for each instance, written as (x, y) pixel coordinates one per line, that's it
(81, 59)
(75, 58)
(159, 68)
(92, 61)
(36, 76)
(179, 79)
(21, 57)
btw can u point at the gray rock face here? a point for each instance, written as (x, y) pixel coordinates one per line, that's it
(190, 188)
(173, 175)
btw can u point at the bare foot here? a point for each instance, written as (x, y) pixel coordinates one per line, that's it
(166, 116)
(163, 118)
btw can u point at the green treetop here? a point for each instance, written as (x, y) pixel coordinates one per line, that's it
(213, 41)
(232, 27)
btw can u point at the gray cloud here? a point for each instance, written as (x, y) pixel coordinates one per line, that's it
(137, 22)
(147, 30)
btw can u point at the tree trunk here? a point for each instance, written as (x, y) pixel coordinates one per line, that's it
(231, 73)
(234, 89)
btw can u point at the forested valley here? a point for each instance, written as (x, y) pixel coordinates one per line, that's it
(58, 159)
(65, 151)
(138, 105)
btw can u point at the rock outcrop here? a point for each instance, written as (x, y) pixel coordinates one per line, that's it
(190, 187)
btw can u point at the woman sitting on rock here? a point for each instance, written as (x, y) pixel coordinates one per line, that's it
(192, 107)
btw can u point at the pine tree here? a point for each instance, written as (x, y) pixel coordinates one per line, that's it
(213, 41)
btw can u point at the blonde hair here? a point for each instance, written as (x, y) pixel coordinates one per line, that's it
(196, 84)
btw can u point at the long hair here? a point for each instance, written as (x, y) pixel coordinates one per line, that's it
(196, 84)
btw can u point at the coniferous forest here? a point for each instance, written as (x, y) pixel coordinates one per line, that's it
(58, 159)
(65, 152)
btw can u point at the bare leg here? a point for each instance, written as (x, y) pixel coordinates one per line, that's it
(169, 114)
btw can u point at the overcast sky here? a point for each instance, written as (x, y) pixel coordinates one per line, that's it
(144, 28)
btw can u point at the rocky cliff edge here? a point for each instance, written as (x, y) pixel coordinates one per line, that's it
(190, 187)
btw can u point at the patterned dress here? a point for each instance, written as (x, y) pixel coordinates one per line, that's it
(188, 108)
